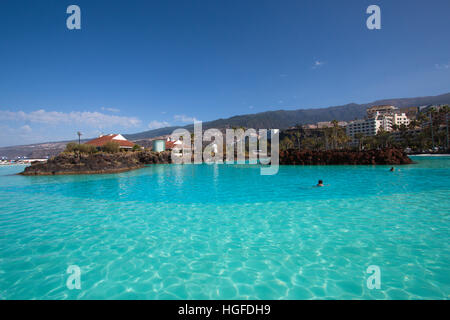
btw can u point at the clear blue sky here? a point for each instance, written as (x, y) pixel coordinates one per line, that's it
(136, 65)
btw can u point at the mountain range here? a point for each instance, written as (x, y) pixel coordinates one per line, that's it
(279, 119)
(282, 119)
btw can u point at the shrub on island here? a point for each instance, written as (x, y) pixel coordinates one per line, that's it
(111, 147)
(136, 147)
(80, 148)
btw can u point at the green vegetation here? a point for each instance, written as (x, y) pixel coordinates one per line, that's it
(111, 147)
(428, 131)
(136, 147)
(80, 148)
(314, 139)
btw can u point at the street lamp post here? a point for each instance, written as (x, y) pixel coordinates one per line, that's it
(446, 126)
(79, 137)
(431, 126)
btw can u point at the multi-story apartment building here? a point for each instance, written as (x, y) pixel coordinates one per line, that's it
(378, 118)
(369, 126)
(401, 119)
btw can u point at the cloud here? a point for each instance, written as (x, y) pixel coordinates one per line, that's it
(25, 129)
(19, 127)
(318, 64)
(93, 119)
(158, 124)
(110, 109)
(184, 118)
(18, 135)
(442, 66)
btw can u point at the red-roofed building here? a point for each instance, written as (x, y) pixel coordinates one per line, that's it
(170, 145)
(117, 138)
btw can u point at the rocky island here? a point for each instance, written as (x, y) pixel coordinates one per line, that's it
(96, 163)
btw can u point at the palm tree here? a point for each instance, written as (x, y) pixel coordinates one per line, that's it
(413, 124)
(359, 136)
(335, 125)
(79, 137)
(298, 135)
(371, 142)
(431, 128)
(343, 139)
(384, 138)
(192, 141)
(395, 127)
(286, 143)
(446, 110)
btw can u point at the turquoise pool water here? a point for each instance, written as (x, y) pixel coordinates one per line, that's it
(226, 232)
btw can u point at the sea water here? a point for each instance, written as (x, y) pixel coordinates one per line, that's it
(226, 232)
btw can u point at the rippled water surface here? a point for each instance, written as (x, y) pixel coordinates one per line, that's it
(226, 232)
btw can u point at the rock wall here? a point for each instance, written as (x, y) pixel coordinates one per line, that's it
(73, 163)
(333, 157)
(150, 157)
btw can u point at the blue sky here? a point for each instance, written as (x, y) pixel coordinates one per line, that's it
(138, 65)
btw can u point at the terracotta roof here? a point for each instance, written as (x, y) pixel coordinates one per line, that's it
(169, 145)
(101, 141)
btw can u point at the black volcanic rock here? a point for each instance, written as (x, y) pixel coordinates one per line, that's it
(148, 157)
(351, 157)
(74, 163)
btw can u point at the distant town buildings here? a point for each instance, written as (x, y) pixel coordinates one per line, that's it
(379, 118)
(427, 108)
(323, 125)
(382, 110)
(20, 161)
(329, 124)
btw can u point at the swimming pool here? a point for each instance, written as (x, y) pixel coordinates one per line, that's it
(226, 232)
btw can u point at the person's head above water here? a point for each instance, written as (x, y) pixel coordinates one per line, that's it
(320, 183)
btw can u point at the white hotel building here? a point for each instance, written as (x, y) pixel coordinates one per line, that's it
(378, 118)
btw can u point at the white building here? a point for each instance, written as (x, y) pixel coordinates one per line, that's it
(378, 118)
(368, 127)
(401, 118)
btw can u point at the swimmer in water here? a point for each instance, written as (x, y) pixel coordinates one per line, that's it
(392, 169)
(320, 183)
